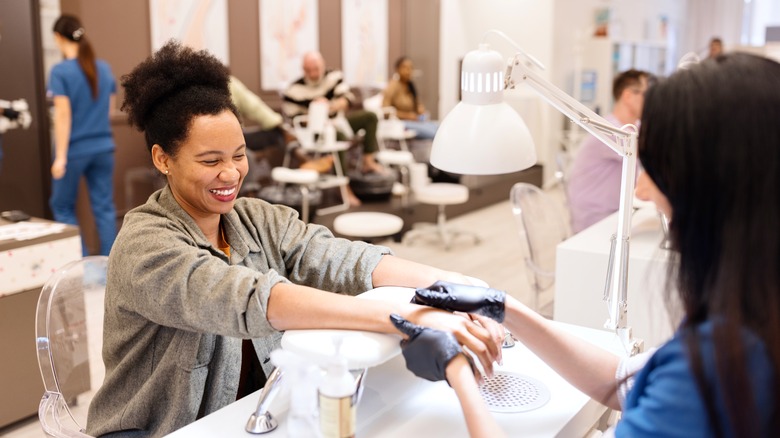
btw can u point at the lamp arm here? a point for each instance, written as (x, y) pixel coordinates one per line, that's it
(578, 113)
(520, 51)
(622, 140)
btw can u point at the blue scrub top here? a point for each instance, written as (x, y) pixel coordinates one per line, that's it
(90, 126)
(665, 400)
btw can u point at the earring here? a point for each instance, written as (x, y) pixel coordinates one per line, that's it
(167, 172)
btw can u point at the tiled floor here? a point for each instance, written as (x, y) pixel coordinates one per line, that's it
(497, 259)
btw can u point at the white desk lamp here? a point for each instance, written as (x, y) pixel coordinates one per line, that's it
(484, 135)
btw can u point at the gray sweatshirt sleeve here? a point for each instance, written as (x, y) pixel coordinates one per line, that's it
(159, 272)
(309, 254)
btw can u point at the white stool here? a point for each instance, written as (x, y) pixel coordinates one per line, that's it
(301, 177)
(367, 225)
(441, 195)
(403, 160)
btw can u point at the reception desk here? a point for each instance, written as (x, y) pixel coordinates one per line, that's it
(25, 265)
(581, 271)
(395, 403)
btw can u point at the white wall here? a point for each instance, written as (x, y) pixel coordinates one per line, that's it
(631, 21)
(763, 13)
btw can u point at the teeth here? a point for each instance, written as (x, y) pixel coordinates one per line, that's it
(223, 192)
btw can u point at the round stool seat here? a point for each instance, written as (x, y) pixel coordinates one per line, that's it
(397, 158)
(294, 176)
(442, 194)
(367, 224)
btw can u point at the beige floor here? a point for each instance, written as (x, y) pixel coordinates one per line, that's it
(497, 260)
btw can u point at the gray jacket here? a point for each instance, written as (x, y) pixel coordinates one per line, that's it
(177, 308)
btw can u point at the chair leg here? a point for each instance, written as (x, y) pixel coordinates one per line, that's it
(304, 203)
(441, 224)
(404, 171)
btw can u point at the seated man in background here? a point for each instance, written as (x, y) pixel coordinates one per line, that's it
(317, 84)
(594, 181)
(272, 132)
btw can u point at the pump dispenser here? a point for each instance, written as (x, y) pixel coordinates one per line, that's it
(336, 400)
(337, 397)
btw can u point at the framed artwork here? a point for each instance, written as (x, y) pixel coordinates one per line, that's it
(288, 29)
(364, 42)
(200, 24)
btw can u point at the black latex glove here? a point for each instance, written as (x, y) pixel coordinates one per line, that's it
(463, 298)
(427, 351)
(10, 114)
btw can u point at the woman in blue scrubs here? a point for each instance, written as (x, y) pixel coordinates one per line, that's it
(83, 91)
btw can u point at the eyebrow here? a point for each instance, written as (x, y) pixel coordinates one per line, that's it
(204, 153)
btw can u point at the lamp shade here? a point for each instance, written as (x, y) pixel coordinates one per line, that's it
(483, 135)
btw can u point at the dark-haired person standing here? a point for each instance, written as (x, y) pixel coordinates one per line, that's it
(83, 91)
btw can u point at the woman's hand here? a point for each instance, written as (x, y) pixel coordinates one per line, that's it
(58, 168)
(482, 340)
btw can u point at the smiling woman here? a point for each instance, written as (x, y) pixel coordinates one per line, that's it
(206, 172)
(200, 282)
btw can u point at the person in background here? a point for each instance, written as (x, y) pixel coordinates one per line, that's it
(401, 94)
(318, 83)
(272, 132)
(83, 91)
(715, 47)
(719, 375)
(201, 283)
(252, 108)
(594, 179)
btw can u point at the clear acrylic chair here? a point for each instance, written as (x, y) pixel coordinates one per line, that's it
(69, 339)
(542, 225)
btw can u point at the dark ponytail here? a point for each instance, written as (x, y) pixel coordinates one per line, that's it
(410, 85)
(70, 28)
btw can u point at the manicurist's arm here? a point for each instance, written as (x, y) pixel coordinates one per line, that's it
(479, 420)
(589, 368)
(586, 366)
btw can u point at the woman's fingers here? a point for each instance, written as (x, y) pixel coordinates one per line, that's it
(497, 332)
(473, 336)
(478, 340)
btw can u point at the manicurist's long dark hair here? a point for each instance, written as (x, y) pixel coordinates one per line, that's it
(710, 140)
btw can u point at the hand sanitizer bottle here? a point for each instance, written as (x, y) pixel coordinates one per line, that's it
(336, 401)
(302, 379)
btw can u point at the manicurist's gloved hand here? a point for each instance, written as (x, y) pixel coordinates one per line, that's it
(463, 298)
(427, 351)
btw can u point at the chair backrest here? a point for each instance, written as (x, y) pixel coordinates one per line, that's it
(390, 127)
(542, 225)
(69, 340)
